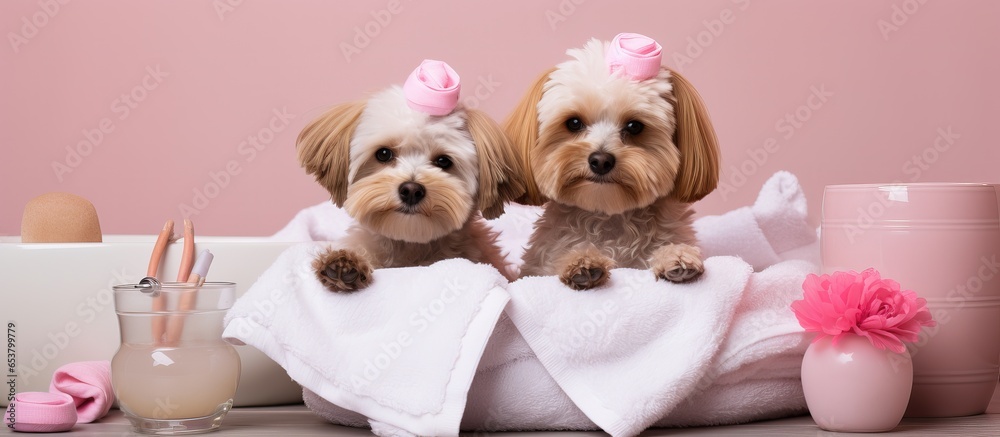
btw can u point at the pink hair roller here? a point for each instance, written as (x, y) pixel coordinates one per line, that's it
(432, 88)
(636, 56)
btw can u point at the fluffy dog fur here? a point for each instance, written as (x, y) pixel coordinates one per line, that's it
(637, 213)
(342, 149)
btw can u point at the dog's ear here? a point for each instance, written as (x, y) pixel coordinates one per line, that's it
(324, 148)
(500, 172)
(522, 128)
(695, 137)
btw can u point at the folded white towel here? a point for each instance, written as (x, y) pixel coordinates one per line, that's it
(402, 352)
(520, 395)
(755, 376)
(774, 229)
(725, 349)
(627, 354)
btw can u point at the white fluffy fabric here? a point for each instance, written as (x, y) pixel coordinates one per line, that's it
(771, 230)
(362, 351)
(637, 353)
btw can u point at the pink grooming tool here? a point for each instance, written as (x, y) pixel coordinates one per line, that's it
(637, 57)
(432, 88)
(89, 384)
(159, 302)
(187, 257)
(41, 412)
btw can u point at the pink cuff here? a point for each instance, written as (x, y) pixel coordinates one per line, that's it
(432, 88)
(636, 56)
(40, 412)
(89, 384)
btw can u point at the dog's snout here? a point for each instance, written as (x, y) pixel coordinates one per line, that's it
(601, 163)
(411, 193)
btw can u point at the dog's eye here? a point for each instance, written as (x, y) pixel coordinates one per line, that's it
(383, 154)
(443, 162)
(633, 127)
(574, 124)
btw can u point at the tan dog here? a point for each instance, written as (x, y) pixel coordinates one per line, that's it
(618, 161)
(413, 181)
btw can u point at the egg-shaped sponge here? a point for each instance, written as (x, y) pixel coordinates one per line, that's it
(60, 218)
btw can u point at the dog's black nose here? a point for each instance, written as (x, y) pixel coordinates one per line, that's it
(601, 163)
(411, 193)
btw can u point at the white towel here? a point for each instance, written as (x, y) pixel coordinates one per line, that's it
(515, 227)
(728, 345)
(774, 229)
(402, 352)
(627, 354)
(755, 376)
(725, 349)
(320, 222)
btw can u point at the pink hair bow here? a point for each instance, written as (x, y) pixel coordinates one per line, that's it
(432, 88)
(636, 56)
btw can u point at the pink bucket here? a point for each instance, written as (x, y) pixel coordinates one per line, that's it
(941, 240)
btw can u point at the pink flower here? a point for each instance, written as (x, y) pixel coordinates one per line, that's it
(864, 304)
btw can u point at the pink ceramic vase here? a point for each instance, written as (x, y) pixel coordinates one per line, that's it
(852, 386)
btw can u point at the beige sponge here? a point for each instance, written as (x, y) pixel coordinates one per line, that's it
(60, 218)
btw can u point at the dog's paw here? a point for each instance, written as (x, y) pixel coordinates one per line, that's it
(677, 263)
(587, 272)
(342, 270)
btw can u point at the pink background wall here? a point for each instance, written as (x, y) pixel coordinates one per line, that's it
(199, 78)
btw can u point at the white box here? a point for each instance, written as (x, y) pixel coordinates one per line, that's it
(58, 298)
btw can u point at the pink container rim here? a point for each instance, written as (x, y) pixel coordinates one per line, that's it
(913, 185)
(932, 203)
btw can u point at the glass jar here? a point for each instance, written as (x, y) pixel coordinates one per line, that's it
(173, 373)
